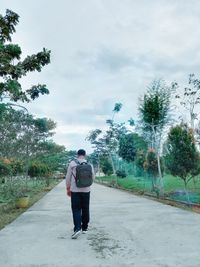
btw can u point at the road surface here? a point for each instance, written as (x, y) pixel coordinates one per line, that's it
(125, 231)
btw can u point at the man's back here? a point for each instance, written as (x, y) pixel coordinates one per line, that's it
(71, 174)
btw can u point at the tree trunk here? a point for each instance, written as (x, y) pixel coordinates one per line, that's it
(99, 165)
(26, 167)
(112, 162)
(160, 176)
(157, 150)
(186, 192)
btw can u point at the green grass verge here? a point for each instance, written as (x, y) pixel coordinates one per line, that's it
(144, 185)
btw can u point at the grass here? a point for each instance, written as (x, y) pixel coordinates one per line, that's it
(173, 186)
(8, 210)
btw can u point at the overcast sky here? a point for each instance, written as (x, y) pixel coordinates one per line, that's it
(104, 51)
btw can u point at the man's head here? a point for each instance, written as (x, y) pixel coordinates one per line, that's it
(81, 153)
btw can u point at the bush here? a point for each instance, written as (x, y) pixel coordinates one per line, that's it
(5, 168)
(121, 173)
(16, 166)
(38, 169)
(139, 163)
(106, 166)
(150, 165)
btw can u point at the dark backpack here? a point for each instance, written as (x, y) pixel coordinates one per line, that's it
(84, 177)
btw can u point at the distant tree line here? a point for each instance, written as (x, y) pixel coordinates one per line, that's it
(161, 140)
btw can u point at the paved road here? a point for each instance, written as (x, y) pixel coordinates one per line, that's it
(125, 230)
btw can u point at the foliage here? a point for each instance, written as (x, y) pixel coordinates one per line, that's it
(117, 107)
(140, 162)
(106, 166)
(155, 106)
(129, 144)
(150, 164)
(52, 155)
(5, 168)
(38, 169)
(16, 166)
(12, 67)
(21, 134)
(182, 158)
(190, 99)
(94, 137)
(127, 149)
(121, 173)
(107, 143)
(154, 111)
(93, 158)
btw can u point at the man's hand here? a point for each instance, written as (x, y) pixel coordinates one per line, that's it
(68, 191)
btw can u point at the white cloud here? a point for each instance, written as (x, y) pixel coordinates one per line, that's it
(104, 51)
(73, 129)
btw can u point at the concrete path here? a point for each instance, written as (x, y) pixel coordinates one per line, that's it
(125, 230)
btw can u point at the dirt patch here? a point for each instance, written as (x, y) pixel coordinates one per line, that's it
(102, 244)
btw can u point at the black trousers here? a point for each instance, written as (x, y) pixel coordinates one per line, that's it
(80, 209)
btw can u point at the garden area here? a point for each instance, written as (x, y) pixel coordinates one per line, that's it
(173, 188)
(16, 195)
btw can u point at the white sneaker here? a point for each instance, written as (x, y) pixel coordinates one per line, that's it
(84, 231)
(76, 234)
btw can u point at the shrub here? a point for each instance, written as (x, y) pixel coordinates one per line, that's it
(16, 166)
(106, 166)
(5, 168)
(121, 173)
(139, 163)
(150, 165)
(38, 169)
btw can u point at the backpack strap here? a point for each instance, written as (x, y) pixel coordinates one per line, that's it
(83, 163)
(77, 162)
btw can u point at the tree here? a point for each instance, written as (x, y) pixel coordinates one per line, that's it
(113, 134)
(12, 67)
(190, 99)
(127, 149)
(111, 140)
(107, 143)
(181, 157)
(98, 145)
(106, 166)
(52, 155)
(93, 158)
(154, 111)
(11, 131)
(129, 144)
(22, 135)
(151, 168)
(116, 109)
(140, 159)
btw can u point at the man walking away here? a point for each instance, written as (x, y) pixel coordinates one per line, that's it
(79, 178)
